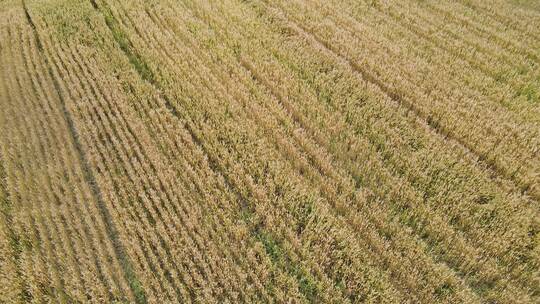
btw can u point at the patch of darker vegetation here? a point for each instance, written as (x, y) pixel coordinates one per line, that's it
(33, 26)
(306, 283)
(529, 92)
(303, 212)
(444, 290)
(125, 44)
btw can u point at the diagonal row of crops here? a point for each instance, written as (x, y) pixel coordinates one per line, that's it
(269, 151)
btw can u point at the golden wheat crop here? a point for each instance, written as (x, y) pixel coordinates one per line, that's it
(269, 151)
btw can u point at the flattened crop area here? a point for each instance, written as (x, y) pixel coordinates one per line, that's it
(269, 151)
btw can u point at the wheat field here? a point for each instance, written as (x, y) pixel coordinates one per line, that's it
(269, 151)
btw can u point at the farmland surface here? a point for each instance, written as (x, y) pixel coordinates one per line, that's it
(269, 151)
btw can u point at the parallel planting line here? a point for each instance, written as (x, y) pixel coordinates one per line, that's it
(18, 287)
(89, 177)
(103, 249)
(63, 70)
(22, 240)
(41, 89)
(30, 150)
(116, 135)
